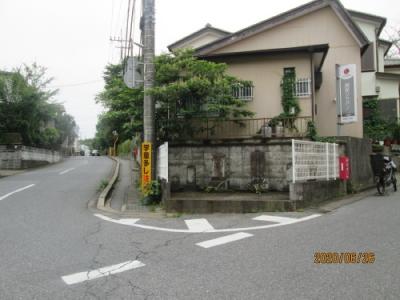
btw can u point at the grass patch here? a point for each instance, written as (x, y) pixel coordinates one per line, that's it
(102, 185)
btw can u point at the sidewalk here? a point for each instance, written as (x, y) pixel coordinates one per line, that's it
(5, 173)
(125, 196)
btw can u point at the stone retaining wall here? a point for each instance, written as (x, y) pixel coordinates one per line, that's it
(232, 164)
(22, 157)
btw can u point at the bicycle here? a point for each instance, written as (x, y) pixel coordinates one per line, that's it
(386, 177)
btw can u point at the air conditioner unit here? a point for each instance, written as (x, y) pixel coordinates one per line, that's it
(377, 89)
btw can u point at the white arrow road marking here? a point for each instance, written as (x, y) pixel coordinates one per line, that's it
(102, 272)
(16, 191)
(133, 223)
(198, 225)
(66, 171)
(225, 239)
(128, 221)
(275, 219)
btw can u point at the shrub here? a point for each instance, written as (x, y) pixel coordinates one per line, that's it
(125, 147)
(151, 192)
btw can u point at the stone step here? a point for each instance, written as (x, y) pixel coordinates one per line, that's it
(199, 203)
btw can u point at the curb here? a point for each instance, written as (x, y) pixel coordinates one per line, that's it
(349, 199)
(104, 194)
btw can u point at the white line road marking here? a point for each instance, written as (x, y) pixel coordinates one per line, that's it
(16, 191)
(275, 219)
(66, 171)
(225, 239)
(134, 224)
(128, 221)
(198, 225)
(102, 272)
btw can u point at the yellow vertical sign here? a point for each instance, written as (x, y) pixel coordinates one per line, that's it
(146, 164)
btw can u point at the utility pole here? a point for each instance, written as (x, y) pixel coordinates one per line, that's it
(148, 59)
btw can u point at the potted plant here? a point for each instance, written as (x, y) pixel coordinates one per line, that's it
(276, 125)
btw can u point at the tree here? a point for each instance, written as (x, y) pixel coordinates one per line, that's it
(187, 90)
(27, 109)
(375, 127)
(393, 35)
(124, 108)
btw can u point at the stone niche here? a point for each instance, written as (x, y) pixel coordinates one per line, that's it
(218, 166)
(257, 164)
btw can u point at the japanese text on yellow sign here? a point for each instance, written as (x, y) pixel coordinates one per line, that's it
(146, 164)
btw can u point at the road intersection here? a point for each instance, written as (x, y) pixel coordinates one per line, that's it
(54, 247)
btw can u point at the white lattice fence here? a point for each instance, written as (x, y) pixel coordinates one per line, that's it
(162, 161)
(314, 161)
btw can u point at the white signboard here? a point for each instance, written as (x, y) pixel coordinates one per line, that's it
(347, 93)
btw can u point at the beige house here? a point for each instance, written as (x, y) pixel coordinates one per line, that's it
(309, 40)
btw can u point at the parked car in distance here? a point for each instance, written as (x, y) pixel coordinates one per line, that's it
(95, 153)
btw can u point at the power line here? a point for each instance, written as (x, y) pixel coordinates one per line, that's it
(131, 32)
(75, 84)
(110, 50)
(126, 31)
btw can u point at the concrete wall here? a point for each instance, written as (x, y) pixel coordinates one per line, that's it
(359, 151)
(368, 83)
(198, 166)
(236, 164)
(327, 190)
(389, 88)
(22, 157)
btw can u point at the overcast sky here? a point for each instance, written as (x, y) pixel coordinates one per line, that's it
(71, 37)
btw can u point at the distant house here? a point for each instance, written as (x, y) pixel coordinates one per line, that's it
(310, 41)
(379, 78)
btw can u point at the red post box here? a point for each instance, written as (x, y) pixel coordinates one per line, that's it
(344, 168)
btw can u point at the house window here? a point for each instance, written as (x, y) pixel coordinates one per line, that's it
(289, 71)
(302, 87)
(243, 92)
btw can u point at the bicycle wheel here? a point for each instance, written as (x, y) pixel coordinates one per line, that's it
(380, 186)
(394, 181)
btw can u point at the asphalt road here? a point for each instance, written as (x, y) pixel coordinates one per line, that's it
(51, 244)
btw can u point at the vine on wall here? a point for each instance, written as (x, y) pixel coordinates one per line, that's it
(290, 103)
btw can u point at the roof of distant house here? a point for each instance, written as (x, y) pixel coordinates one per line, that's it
(392, 62)
(361, 15)
(207, 28)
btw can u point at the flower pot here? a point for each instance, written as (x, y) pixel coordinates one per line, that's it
(278, 131)
(266, 131)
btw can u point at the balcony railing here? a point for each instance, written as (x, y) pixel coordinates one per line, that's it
(213, 129)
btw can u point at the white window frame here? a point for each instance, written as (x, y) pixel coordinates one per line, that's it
(302, 88)
(243, 92)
